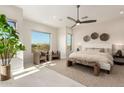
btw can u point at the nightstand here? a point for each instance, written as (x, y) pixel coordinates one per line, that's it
(119, 60)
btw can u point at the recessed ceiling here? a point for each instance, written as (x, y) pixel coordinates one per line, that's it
(56, 15)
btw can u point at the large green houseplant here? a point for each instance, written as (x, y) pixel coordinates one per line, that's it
(9, 45)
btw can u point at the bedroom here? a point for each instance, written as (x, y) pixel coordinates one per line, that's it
(57, 27)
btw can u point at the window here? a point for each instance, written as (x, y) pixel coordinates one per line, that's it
(69, 42)
(12, 23)
(40, 41)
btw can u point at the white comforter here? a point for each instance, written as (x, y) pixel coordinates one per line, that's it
(99, 57)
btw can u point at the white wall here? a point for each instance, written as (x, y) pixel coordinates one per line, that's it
(17, 15)
(30, 26)
(62, 41)
(114, 28)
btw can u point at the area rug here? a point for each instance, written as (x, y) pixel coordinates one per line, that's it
(85, 76)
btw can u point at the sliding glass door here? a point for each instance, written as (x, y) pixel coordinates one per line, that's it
(40, 41)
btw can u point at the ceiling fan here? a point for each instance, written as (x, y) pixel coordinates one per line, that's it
(77, 21)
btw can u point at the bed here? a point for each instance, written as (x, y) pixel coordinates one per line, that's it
(92, 55)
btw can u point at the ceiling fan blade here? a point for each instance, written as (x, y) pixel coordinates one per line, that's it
(88, 21)
(73, 25)
(70, 18)
(84, 17)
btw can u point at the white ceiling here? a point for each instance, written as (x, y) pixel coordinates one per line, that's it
(55, 15)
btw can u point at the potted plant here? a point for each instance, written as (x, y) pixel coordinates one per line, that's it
(9, 46)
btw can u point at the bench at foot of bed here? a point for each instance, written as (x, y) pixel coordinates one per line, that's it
(69, 63)
(96, 67)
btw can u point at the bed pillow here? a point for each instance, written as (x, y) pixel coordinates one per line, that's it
(103, 50)
(92, 50)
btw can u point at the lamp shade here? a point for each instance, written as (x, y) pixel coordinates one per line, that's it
(116, 47)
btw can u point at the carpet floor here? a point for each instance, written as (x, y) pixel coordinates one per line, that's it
(84, 75)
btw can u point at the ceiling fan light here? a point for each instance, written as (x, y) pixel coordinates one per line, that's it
(78, 24)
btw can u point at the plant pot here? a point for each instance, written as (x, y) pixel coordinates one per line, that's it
(5, 72)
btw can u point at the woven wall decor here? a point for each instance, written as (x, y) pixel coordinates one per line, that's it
(94, 35)
(86, 38)
(104, 37)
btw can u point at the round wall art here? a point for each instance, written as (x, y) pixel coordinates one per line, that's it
(104, 37)
(86, 38)
(94, 35)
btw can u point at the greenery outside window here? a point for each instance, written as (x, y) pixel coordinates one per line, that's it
(40, 41)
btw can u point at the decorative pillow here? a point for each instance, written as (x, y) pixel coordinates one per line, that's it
(108, 50)
(102, 50)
